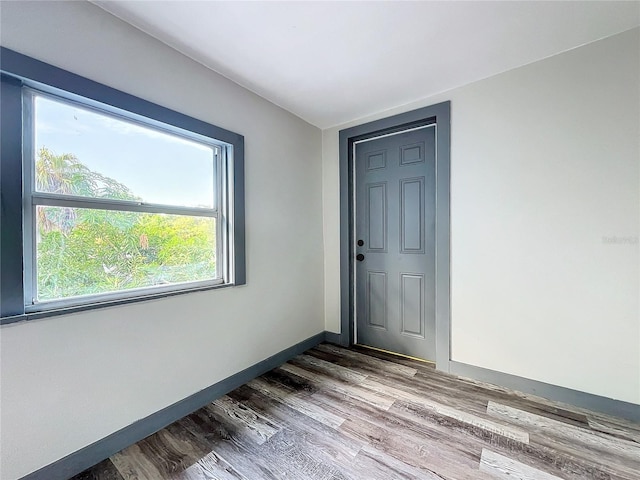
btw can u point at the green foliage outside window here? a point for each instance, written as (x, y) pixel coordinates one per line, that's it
(86, 251)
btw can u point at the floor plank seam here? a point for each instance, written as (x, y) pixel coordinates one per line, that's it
(344, 414)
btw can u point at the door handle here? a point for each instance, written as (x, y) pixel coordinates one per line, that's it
(360, 257)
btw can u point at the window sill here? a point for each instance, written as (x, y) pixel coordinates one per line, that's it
(54, 312)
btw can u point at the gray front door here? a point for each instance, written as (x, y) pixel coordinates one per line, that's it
(395, 185)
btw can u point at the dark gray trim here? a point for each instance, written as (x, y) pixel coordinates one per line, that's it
(54, 312)
(239, 258)
(439, 114)
(96, 452)
(11, 268)
(589, 401)
(44, 76)
(443, 236)
(20, 70)
(334, 338)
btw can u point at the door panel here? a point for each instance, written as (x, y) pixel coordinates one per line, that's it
(377, 299)
(412, 304)
(395, 219)
(376, 160)
(412, 215)
(377, 216)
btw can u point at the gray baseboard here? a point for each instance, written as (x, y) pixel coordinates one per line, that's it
(336, 338)
(96, 452)
(589, 401)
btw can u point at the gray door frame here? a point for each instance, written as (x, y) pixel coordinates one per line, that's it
(440, 115)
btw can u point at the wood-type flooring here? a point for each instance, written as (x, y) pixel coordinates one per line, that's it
(357, 414)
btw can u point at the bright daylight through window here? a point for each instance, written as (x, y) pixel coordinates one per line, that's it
(115, 205)
(107, 198)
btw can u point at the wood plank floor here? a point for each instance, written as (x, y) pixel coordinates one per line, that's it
(338, 414)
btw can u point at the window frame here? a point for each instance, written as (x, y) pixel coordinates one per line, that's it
(23, 78)
(32, 198)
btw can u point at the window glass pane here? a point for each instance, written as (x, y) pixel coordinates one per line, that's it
(86, 251)
(81, 152)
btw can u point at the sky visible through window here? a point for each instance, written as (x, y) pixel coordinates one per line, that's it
(155, 166)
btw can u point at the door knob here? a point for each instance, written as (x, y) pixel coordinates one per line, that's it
(360, 257)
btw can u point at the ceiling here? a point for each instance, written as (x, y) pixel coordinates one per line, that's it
(332, 62)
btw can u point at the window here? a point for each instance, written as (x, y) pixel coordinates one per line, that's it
(119, 199)
(113, 205)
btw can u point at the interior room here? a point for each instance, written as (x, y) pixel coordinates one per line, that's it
(356, 240)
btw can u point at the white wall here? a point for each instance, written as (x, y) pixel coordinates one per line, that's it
(545, 163)
(69, 381)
